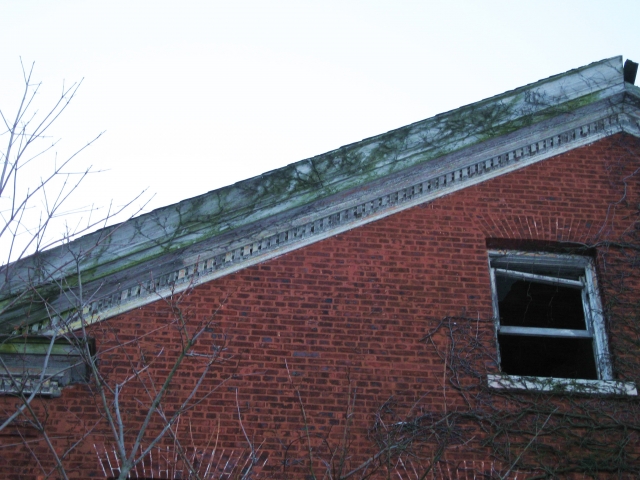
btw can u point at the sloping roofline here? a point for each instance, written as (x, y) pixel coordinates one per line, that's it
(208, 236)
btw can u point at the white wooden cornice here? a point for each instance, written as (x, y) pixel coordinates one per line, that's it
(394, 194)
(611, 107)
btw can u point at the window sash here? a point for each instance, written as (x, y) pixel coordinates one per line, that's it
(591, 300)
(541, 278)
(545, 332)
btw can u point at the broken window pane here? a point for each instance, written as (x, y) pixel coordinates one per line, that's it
(524, 303)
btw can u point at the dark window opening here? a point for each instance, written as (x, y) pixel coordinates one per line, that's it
(547, 357)
(548, 318)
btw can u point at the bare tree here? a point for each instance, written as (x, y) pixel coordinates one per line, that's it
(142, 370)
(146, 406)
(36, 186)
(32, 201)
(28, 206)
(36, 189)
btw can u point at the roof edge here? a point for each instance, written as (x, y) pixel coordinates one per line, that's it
(501, 122)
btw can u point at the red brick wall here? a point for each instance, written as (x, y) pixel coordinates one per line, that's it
(337, 328)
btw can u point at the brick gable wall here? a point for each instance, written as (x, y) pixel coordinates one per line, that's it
(334, 333)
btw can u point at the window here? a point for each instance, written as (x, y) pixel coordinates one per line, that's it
(548, 316)
(41, 364)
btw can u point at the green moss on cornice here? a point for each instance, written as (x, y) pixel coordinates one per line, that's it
(500, 129)
(173, 228)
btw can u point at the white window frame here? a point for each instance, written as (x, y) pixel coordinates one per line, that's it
(592, 305)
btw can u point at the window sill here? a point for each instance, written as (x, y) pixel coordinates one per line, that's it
(561, 385)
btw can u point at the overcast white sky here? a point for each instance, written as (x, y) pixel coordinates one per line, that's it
(195, 95)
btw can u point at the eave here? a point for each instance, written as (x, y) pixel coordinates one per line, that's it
(226, 230)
